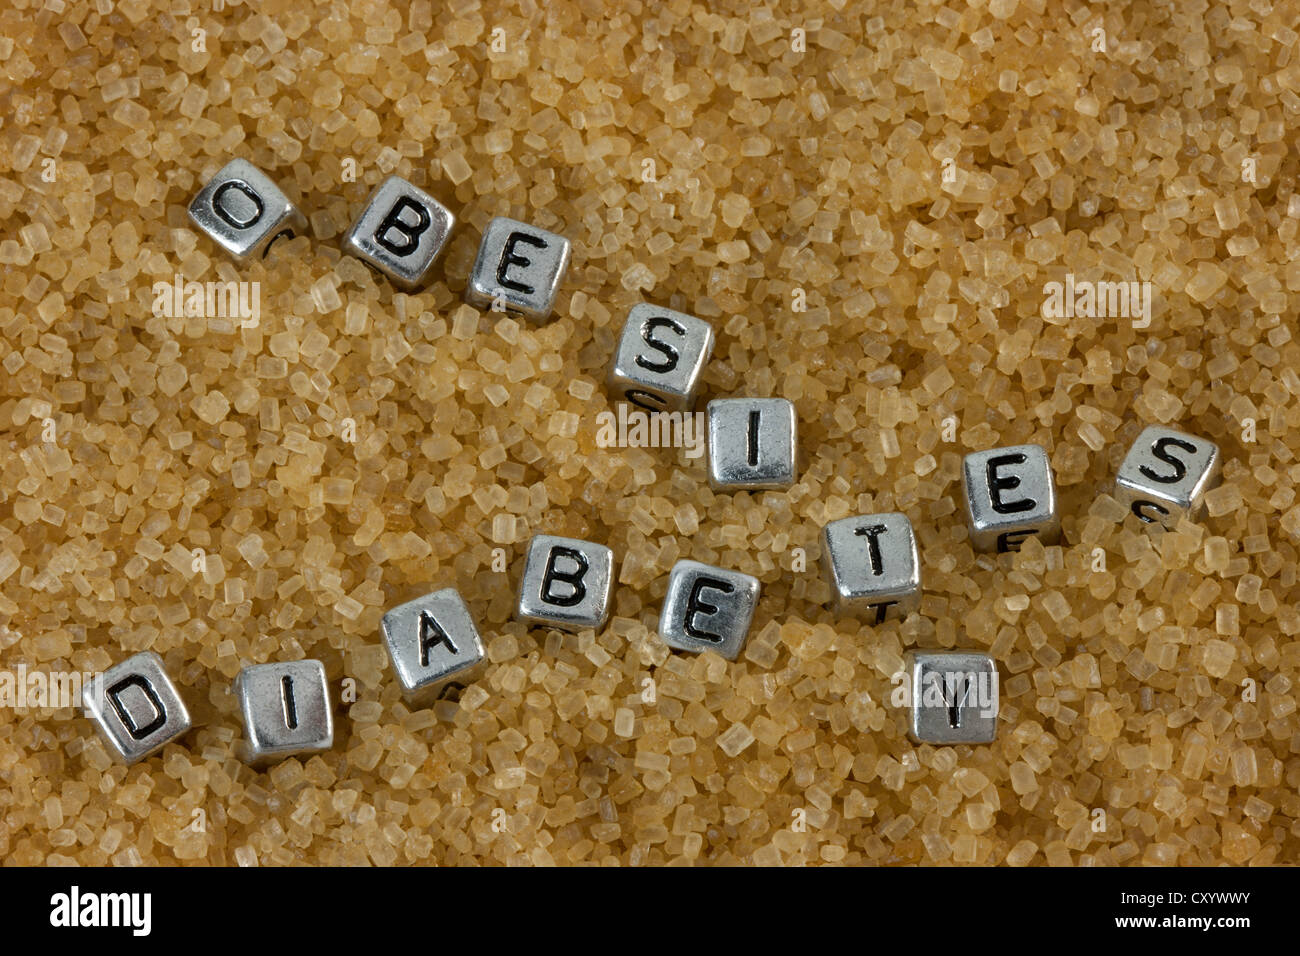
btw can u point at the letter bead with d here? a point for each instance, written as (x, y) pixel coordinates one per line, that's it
(136, 707)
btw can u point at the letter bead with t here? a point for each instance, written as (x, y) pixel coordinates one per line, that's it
(872, 566)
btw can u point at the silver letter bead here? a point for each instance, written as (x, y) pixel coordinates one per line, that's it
(136, 707)
(244, 212)
(520, 265)
(708, 609)
(434, 646)
(660, 358)
(566, 583)
(1009, 495)
(1166, 474)
(286, 710)
(400, 233)
(954, 697)
(752, 443)
(872, 566)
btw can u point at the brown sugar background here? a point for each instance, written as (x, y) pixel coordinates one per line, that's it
(918, 172)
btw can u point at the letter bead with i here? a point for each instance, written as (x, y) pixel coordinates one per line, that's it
(400, 233)
(286, 710)
(566, 584)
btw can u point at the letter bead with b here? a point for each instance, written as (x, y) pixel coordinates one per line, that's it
(520, 267)
(1166, 474)
(400, 233)
(136, 707)
(566, 584)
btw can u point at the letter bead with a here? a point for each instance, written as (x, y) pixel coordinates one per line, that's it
(400, 233)
(136, 707)
(286, 710)
(244, 212)
(520, 266)
(660, 359)
(1010, 495)
(708, 609)
(434, 646)
(1166, 474)
(566, 584)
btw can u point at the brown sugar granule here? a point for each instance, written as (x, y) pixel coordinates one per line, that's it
(867, 203)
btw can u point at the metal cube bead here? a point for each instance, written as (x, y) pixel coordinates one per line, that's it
(752, 443)
(566, 584)
(519, 265)
(434, 646)
(1166, 474)
(400, 232)
(872, 566)
(954, 697)
(286, 710)
(1010, 495)
(136, 707)
(660, 358)
(708, 609)
(244, 212)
